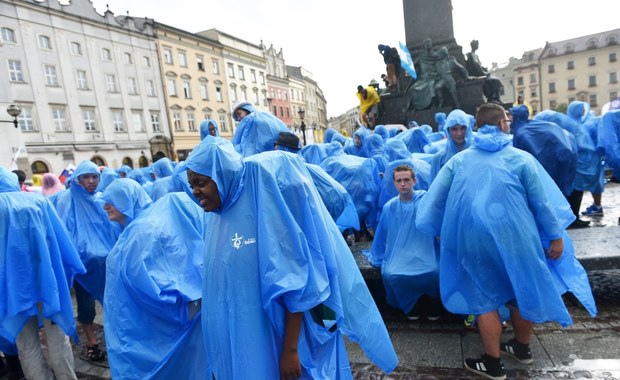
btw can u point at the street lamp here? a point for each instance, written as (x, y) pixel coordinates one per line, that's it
(301, 113)
(14, 111)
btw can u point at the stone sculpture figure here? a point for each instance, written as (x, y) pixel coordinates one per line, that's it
(492, 86)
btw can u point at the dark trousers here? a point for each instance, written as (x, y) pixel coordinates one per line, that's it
(574, 200)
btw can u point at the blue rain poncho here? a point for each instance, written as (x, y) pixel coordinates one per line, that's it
(376, 151)
(329, 133)
(38, 263)
(609, 138)
(127, 196)
(415, 139)
(126, 169)
(553, 147)
(137, 175)
(360, 177)
(162, 168)
(440, 119)
(360, 150)
(337, 200)
(91, 232)
(456, 118)
(255, 275)
(382, 131)
(407, 256)
(204, 128)
(492, 238)
(388, 191)
(257, 132)
(154, 275)
(314, 153)
(107, 176)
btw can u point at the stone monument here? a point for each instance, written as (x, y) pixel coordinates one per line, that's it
(443, 82)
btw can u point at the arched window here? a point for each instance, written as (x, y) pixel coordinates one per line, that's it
(143, 162)
(98, 160)
(39, 167)
(128, 161)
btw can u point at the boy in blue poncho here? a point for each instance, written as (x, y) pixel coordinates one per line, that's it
(38, 265)
(406, 255)
(502, 223)
(93, 236)
(280, 288)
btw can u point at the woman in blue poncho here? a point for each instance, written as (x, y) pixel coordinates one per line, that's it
(277, 306)
(501, 219)
(458, 134)
(153, 280)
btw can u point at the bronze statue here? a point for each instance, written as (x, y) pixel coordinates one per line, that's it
(492, 86)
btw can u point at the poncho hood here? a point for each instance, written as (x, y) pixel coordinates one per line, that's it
(217, 159)
(204, 128)
(491, 139)
(8, 181)
(129, 198)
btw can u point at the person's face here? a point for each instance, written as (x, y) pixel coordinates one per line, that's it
(357, 141)
(239, 114)
(212, 130)
(122, 174)
(113, 214)
(404, 182)
(89, 182)
(504, 125)
(457, 134)
(205, 190)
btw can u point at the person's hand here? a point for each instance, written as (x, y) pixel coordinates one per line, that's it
(290, 368)
(555, 249)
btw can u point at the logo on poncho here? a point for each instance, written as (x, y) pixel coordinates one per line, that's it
(238, 241)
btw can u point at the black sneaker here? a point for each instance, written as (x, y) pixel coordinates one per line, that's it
(486, 366)
(519, 351)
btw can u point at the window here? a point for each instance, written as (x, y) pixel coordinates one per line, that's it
(172, 87)
(532, 78)
(256, 98)
(207, 115)
(132, 88)
(168, 56)
(592, 80)
(15, 71)
(233, 94)
(136, 119)
(612, 57)
(60, 123)
(281, 111)
(215, 66)
(253, 75)
(223, 126)
(552, 87)
(81, 80)
(204, 91)
(288, 112)
(553, 104)
(45, 42)
(88, 115)
(262, 77)
(25, 119)
(613, 95)
(155, 121)
(519, 81)
(201, 63)
(241, 73)
(76, 48)
(613, 77)
(146, 61)
(127, 59)
(106, 54)
(231, 70)
(51, 79)
(176, 121)
(591, 61)
(39, 167)
(150, 88)
(593, 100)
(8, 35)
(275, 110)
(117, 121)
(571, 84)
(218, 94)
(533, 91)
(110, 82)
(244, 93)
(182, 59)
(570, 65)
(191, 122)
(187, 89)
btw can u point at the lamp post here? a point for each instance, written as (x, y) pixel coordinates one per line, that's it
(301, 113)
(14, 111)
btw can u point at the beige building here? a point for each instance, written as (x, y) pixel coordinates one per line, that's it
(193, 71)
(526, 80)
(584, 68)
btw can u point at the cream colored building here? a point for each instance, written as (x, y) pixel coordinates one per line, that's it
(193, 71)
(584, 68)
(89, 86)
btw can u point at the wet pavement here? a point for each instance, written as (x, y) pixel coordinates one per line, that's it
(589, 349)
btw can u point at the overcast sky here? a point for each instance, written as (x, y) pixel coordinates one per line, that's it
(337, 40)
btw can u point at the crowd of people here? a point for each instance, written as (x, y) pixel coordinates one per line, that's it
(234, 263)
